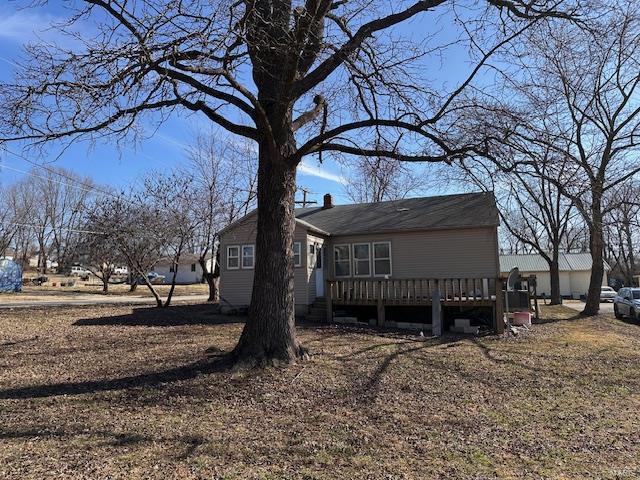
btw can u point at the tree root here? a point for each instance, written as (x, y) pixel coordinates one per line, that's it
(241, 360)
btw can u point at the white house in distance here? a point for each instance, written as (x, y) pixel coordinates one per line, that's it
(575, 272)
(189, 269)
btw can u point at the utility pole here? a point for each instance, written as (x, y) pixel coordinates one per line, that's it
(304, 202)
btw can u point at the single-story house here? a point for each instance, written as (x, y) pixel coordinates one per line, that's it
(34, 261)
(575, 272)
(401, 246)
(189, 269)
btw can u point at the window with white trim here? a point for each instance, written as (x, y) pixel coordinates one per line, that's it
(342, 260)
(381, 258)
(248, 256)
(297, 254)
(233, 257)
(361, 260)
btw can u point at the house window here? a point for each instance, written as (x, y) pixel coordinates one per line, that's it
(248, 256)
(361, 260)
(297, 255)
(342, 260)
(382, 258)
(233, 258)
(193, 267)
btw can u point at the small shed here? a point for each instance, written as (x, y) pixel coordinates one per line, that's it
(10, 276)
(575, 272)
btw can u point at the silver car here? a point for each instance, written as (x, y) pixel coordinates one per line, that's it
(627, 303)
(607, 294)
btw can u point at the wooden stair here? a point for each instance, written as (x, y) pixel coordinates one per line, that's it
(317, 311)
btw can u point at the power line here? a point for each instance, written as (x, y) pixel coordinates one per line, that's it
(86, 189)
(54, 172)
(73, 230)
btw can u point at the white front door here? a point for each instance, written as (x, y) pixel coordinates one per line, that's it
(319, 271)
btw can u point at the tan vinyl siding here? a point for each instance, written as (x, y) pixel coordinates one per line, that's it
(311, 270)
(468, 252)
(236, 285)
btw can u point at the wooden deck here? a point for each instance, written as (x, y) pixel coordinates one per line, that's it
(448, 292)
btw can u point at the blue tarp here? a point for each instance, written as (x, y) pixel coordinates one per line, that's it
(10, 276)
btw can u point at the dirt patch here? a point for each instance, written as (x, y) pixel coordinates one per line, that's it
(132, 393)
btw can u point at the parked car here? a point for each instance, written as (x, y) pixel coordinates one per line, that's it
(627, 303)
(80, 271)
(153, 277)
(607, 294)
(121, 271)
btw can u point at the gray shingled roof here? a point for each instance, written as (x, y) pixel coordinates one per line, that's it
(426, 213)
(535, 263)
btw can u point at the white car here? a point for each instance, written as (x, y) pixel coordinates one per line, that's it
(627, 303)
(121, 271)
(607, 294)
(79, 271)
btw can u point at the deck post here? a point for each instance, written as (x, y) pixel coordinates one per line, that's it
(436, 314)
(499, 307)
(329, 301)
(380, 304)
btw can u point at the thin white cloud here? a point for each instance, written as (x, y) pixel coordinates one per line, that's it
(317, 171)
(24, 26)
(10, 62)
(172, 141)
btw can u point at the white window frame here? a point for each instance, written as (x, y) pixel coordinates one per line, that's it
(229, 247)
(299, 262)
(373, 256)
(335, 247)
(353, 258)
(252, 256)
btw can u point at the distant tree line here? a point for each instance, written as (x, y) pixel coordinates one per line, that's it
(58, 216)
(41, 216)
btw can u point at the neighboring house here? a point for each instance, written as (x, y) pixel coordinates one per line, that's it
(9, 254)
(575, 272)
(34, 261)
(372, 245)
(189, 269)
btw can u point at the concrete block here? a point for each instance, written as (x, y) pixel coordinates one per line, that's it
(462, 322)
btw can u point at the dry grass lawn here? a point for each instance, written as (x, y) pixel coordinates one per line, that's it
(122, 393)
(95, 286)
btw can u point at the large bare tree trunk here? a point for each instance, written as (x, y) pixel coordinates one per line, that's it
(554, 274)
(269, 334)
(596, 239)
(631, 264)
(210, 278)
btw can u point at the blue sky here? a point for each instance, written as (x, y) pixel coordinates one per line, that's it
(109, 165)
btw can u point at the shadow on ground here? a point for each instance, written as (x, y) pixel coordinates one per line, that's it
(201, 314)
(152, 379)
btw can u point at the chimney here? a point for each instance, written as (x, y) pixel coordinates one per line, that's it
(328, 201)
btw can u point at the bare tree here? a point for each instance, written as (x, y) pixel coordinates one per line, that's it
(136, 230)
(272, 71)
(66, 195)
(20, 201)
(97, 247)
(579, 98)
(225, 181)
(171, 198)
(621, 227)
(9, 221)
(533, 211)
(376, 179)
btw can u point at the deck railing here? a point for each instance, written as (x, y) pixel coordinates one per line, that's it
(412, 291)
